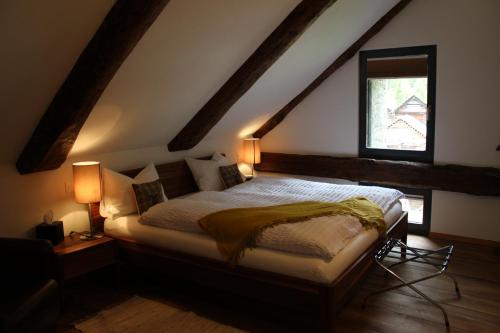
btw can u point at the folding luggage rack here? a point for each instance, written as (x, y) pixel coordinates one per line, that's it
(396, 249)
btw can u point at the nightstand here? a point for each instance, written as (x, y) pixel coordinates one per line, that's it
(76, 257)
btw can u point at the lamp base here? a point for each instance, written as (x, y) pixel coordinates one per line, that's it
(90, 235)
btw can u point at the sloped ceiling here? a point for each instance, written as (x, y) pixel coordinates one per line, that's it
(41, 41)
(188, 53)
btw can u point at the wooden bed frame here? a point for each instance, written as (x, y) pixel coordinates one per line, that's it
(322, 301)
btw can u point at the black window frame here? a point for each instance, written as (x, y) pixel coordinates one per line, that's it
(413, 228)
(395, 154)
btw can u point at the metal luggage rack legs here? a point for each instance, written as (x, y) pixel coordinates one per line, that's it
(439, 259)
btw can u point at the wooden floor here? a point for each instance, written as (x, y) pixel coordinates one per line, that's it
(478, 310)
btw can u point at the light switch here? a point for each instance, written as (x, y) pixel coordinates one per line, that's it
(68, 187)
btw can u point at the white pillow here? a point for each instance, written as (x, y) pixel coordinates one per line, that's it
(223, 161)
(119, 198)
(206, 174)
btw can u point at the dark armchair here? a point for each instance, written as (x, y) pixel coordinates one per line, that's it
(29, 298)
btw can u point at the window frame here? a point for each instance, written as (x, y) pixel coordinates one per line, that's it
(396, 154)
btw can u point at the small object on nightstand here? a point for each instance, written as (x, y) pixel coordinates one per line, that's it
(49, 229)
(53, 231)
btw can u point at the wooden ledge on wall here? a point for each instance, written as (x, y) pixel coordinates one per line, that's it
(453, 178)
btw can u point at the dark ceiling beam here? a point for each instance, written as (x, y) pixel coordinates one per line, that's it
(454, 178)
(58, 128)
(339, 62)
(244, 78)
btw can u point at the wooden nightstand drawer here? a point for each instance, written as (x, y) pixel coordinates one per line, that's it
(90, 259)
(77, 257)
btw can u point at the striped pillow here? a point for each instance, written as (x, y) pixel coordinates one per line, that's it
(230, 175)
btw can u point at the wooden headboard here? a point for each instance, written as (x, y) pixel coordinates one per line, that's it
(175, 177)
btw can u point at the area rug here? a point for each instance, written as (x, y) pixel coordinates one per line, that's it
(141, 315)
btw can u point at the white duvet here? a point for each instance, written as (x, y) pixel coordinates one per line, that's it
(322, 237)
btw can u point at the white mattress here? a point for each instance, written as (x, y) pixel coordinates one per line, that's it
(301, 266)
(320, 236)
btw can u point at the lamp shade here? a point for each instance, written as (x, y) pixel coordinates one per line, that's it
(251, 151)
(87, 182)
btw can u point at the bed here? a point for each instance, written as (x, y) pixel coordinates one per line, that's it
(297, 281)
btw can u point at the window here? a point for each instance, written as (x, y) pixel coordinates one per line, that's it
(418, 204)
(397, 99)
(414, 205)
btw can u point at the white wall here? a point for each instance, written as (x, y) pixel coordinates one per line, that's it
(190, 50)
(187, 53)
(179, 64)
(193, 48)
(25, 198)
(467, 104)
(41, 40)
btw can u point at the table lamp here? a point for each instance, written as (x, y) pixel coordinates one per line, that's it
(251, 151)
(88, 190)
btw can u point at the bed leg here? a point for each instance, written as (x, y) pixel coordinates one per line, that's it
(327, 312)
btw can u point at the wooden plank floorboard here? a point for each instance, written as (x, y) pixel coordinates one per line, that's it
(477, 271)
(457, 311)
(398, 311)
(470, 287)
(415, 315)
(488, 306)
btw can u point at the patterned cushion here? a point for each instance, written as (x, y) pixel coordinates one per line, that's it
(147, 195)
(230, 175)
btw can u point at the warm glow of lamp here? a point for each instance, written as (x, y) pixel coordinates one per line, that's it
(87, 182)
(251, 151)
(87, 187)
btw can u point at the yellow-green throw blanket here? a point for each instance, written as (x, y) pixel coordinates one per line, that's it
(237, 229)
